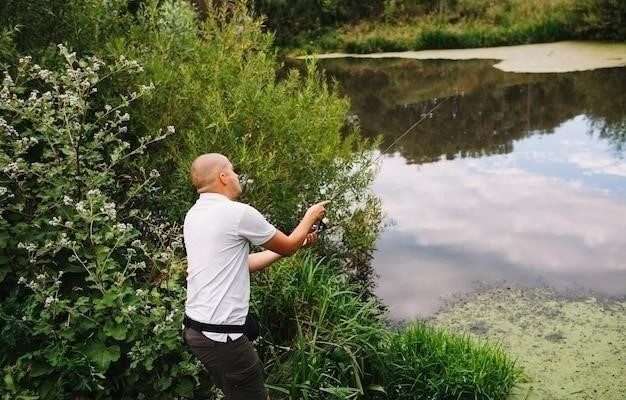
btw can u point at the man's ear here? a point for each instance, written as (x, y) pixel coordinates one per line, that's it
(222, 178)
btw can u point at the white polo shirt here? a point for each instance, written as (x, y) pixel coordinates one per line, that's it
(218, 233)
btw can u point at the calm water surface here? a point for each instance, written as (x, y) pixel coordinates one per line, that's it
(518, 179)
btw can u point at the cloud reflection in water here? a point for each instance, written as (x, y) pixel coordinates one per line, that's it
(530, 217)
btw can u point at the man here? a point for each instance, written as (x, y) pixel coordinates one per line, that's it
(218, 231)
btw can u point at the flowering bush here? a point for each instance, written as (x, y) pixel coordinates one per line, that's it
(90, 300)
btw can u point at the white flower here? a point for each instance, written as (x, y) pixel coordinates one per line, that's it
(41, 277)
(109, 210)
(107, 108)
(11, 168)
(154, 174)
(80, 207)
(49, 301)
(170, 317)
(136, 243)
(55, 221)
(22, 280)
(125, 117)
(171, 129)
(3, 190)
(44, 74)
(93, 192)
(141, 292)
(67, 200)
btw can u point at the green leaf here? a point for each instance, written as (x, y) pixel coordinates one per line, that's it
(116, 331)
(185, 387)
(163, 384)
(102, 355)
(4, 269)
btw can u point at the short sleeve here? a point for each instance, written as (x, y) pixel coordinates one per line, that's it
(254, 227)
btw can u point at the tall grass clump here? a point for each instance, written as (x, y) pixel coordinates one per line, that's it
(322, 339)
(421, 362)
(320, 333)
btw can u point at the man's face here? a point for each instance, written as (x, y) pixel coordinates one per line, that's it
(232, 180)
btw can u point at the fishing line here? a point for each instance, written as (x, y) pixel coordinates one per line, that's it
(320, 226)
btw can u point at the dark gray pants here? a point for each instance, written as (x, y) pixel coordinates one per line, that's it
(234, 366)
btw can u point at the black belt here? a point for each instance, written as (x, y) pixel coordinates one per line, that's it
(202, 327)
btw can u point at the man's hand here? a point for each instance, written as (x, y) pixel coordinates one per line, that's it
(316, 211)
(288, 245)
(310, 239)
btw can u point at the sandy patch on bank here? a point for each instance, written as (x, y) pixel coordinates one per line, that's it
(566, 56)
(570, 349)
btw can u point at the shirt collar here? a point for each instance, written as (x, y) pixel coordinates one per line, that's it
(213, 196)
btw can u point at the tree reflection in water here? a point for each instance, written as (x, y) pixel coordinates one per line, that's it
(489, 108)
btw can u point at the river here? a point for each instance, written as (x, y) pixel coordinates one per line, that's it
(518, 179)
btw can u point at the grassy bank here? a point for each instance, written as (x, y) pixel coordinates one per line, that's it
(469, 24)
(323, 339)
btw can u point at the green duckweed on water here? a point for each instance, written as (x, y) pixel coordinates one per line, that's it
(569, 348)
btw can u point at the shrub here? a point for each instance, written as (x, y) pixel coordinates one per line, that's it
(88, 305)
(600, 19)
(288, 19)
(216, 82)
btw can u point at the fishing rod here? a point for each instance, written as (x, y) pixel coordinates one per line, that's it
(320, 225)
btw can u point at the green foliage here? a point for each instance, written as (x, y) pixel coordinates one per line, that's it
(216, 82)
(600, 19)
(318, 333)
(88, 306)
(90, 281)
(422, 362)
(290, 18)
(321, 337)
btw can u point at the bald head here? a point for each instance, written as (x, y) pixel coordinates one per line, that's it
(205, 171)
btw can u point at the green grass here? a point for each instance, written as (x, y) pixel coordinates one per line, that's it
(425, 362)
(324, 339)
(473, 23)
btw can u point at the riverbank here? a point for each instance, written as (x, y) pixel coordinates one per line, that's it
(569, 347)
(469, 24)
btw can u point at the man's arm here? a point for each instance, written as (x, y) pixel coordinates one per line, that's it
(263, 259)
(288, 245)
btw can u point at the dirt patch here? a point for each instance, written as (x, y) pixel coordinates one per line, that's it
(569, 348)
(565, 56)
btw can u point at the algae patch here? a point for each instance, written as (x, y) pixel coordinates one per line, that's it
(568, 56)
(568, 348)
